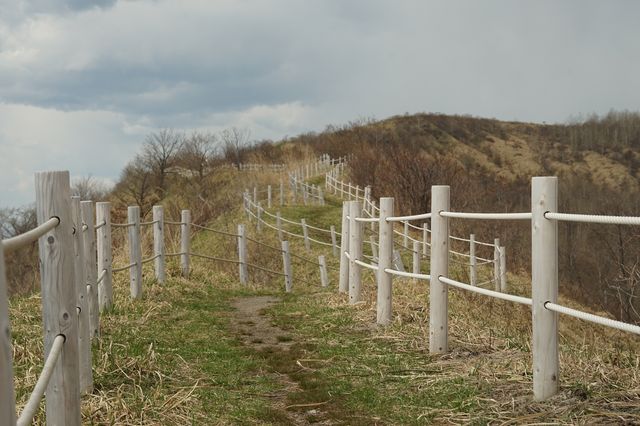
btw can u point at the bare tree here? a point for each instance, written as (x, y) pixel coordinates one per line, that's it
(15, 221)
(197, 152)
(235, 141)
(136, 185)
(159, 153)
(89, 188)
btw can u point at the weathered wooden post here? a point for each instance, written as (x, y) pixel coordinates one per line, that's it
(158, 242)
(90, 266)
(259, 217)
(473, 264)
(496, 263)
(321, 196)
(334, 241)
(7, 401)
(405, 234)
(544, 286)
(103, 240)
(255, 195)
(84, 335)
(242, 254)
(373, 212)
(286, 263)
(268, 196)
(374, 249)
(305, 194)
(349, 186)
(425, 239)
(397, 261)
(135, 252)
(185, 242)
(384, 308)
(343, 285)
(416, 257)
(281, 193)
(279, 226)
(305, 233)
(357, 191)
(58, 297)
(438, 292)
(355, 252)
(503, 270)
(324, 279)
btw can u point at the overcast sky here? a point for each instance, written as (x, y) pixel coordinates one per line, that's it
(82, 82)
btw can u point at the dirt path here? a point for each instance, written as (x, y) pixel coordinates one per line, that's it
(256, 330)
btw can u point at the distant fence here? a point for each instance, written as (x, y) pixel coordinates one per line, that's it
(76, 273)
(544, 271)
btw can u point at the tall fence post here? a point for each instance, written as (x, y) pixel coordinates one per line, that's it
(286, 264)
(343, 284)
(103, 240)
(544, 286)
(7, 402)
(135, 252)
(334, 241)
(405, 234)
(416, 257)
(158, 242)
(185, 242)
(503, 270)
(438, 292)
(90, 266)
(324, 279)
(321, 196)
(84, 335)
(355, 252)
(242, 254)
(496, 263)
(259, 217)
(374, 249)
(281, 193)
(384, 307)
(58, 297)
(279, 226)
(305, 233)
(373, 212)
(268, 196)
(473, 263)
(255, 195)
(425, 238)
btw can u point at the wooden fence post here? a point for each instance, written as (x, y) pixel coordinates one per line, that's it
(268, 196)
(397, 261)
(416, 257)
(405, 234)
(7, 401)
(544, 286)
(305, 233)
(185, 242)
(242, 255)
(425, 238)
(135, 252)
(90, 266)
(305, 194)
(321, 196)
(259, 217)
(496, 263)
(334, 241)
(255, 195)
(281, 193)
(438, 292)
(373, 212)
(374, 249)
(279, 226)
(158, 242)
(103, 240)
(503, 270)
(473, 264)
(84, 335)
(286, 263)
(343, 285)
(58, 297)
(324, 279)
(355, 252)
(384, 306)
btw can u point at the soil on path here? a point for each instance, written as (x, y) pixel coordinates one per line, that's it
(256, 330)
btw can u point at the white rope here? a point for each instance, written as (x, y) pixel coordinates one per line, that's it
(459, 239)
(488, 216)
(101, 277)
(407, 218)
(32, 406)
(366, 265)
(100, 225)
(367, 219)
(593, 218)
(122, 225)
(408, 274)
(148, 223)
(607, 322)
(150, 259)
(124, 268)
(22, 240)
(486, 292)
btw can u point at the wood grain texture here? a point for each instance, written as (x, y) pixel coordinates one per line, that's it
(7, 401)
(87, 212)
(105, 258)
